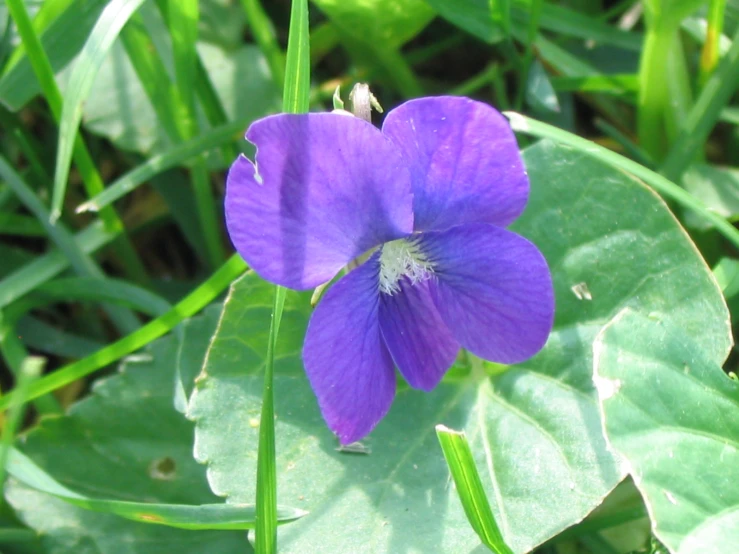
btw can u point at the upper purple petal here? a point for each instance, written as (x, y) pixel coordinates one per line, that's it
(326, 188)
(493, 289)
(419, 341)
(345, 358)
(464, 162)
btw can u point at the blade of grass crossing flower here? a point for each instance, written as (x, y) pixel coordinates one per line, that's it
(176, 155)
(266, 529)
(706, 111)
(81, 262)
(522, 124)
(264, 35)
(30, 370)
(91, 57)
(188, 306)
(295, 99)
(296, 94)
(182, 516)
(469, 487)
(90, 177)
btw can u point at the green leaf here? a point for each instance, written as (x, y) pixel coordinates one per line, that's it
(119, 109)
(667, 188)
(474, 16)
(669, 13)
(540, 94)
(125, 451)
(717, 187)
(534, 429)
(387, 24)
(180, 516)
(196, 335)
(479, 18)
(670, 410)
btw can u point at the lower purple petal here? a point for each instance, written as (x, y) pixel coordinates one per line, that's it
(418, 340)
(493, 289)
(345, 357)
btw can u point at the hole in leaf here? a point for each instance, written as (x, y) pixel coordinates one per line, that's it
(163, 469)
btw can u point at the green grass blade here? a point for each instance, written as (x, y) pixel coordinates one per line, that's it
(30, 370)
(81, 262)
(45, 337)
(182, 516)
(296, 95)
(37, 56)
(175, 156)
(51, 264)
(178, 121)
(153, 76)
(90, 176)
(264, 35)
(710, 54)
(91, 57)
(183, 28)
(629, 146)
(567, 21)
(76, 289)
(469, 487)
(618, 85)
(707, 110)
(47, 13)
(295, 99)
(188, 306)
(522, 124)
(730, 115)
(20, 225)
(15, 354)
(266, 529)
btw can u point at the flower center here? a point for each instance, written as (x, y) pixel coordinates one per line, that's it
(402, 258)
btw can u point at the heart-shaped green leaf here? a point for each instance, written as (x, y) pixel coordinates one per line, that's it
(672, 412)
(125, 451)
(534, 429)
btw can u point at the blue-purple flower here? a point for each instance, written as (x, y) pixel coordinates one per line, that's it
(424, 201)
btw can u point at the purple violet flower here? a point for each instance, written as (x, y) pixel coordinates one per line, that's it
(425, 201)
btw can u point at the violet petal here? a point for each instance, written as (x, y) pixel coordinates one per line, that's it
(327, 187)
(493, 289)
(345, 357)
(464, 162)
(419, 341)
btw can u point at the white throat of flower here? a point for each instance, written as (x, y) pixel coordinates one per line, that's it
(402, 258)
